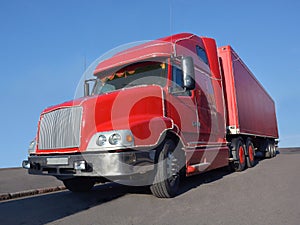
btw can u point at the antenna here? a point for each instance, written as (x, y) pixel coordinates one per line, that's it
(170, 19)
(84, 76)
(84, 63)
(84, 67)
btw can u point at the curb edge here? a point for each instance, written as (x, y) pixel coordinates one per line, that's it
(14, 195)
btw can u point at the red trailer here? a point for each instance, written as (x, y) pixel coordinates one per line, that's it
(167, 108)
(250, 109)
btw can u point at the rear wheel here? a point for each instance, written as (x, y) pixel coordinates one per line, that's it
(167, 177)
(238, 153)
(270, 151)
(250, 153)
(79, 184)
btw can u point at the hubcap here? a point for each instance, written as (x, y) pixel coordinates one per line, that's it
(241, 155)
(172, 168)
(251, 153)
(270, 150)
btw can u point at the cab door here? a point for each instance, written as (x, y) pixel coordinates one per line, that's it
(182, 108)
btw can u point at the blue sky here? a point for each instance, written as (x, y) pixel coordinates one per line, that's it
(44, 44)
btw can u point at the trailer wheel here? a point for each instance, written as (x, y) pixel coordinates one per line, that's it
(167, 174)
(274, 149)
(250, 153)
(270, 151)
(79, 184)
(238, 153)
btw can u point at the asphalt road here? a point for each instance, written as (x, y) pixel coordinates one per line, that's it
(17, 179)
(269, 193)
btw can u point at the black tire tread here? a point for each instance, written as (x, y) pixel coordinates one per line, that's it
(161, 188)
(249, 162)
(234, 146)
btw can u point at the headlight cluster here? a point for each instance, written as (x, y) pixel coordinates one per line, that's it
(119, 138)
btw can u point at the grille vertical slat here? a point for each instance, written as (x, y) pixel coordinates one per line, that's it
(60, 129)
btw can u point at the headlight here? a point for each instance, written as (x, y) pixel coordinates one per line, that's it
(101, 140)
(31, 148)
(115, 139)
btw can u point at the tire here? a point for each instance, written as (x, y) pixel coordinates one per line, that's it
(270, 150)
(250, 153)
(79, 184)
(167, 172)
(238, 153)
(273, 149)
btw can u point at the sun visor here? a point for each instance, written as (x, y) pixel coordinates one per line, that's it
(147, 51)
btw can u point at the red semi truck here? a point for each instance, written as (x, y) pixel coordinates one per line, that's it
(169, 108)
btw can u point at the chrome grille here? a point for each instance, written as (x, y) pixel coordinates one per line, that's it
(60, 129)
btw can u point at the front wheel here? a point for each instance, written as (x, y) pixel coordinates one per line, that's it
(167, 174)
(79, 184)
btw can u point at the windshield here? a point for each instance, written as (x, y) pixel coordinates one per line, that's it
(142, 73)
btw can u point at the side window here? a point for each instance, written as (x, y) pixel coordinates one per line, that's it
(177, 80)
(202, 54)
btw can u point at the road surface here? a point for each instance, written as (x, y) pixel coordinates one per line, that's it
(269, 193)
(14, 180)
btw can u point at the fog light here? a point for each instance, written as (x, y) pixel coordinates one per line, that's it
(79, 165)
(130, 158)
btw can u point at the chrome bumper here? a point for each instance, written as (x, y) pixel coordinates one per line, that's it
(108, 165)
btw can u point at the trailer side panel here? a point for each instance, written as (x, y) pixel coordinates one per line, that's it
(250, 109)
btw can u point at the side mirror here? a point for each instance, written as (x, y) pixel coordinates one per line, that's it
(86, 88)
(188, 70)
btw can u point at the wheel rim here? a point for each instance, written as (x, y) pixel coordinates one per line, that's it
(251, 153)
(273, 150)
(270, 150)
(172, 169)
(241, 155)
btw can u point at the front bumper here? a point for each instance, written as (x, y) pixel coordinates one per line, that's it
(108, 165)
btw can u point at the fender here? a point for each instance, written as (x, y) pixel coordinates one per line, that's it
(148, 131)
